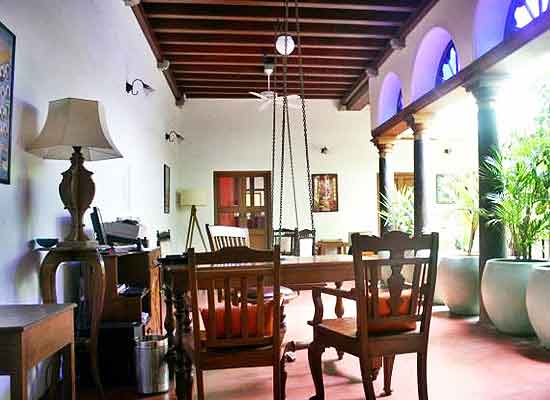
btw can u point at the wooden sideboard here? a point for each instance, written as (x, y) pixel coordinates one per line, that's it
(137, 269)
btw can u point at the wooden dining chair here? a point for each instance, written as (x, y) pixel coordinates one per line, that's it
(242, 336)
(220, 236)
(287, 240)
(391, 320)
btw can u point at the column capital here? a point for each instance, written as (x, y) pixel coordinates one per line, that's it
(485, 88)
(420, 123)
(384, 145)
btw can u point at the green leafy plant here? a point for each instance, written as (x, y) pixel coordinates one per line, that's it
(465, 192)
(398, 210)
(521, 175)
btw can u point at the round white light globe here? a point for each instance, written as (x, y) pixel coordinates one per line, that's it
(280, 45)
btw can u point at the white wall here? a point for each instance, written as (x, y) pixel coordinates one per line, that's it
(87, 49)
(233, 135)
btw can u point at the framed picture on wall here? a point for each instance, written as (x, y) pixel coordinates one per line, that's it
(166, 189)
(7, 63)
(444, 188)
(325, 192)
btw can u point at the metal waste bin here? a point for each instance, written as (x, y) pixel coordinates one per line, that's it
(152, 374)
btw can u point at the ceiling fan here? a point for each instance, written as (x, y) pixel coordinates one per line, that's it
(267, 97)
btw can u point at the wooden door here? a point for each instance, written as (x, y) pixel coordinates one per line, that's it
(243, 199)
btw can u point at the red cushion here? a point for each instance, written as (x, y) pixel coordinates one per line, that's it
(236, 320)
(384, 310)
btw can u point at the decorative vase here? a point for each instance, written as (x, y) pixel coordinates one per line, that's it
(538, 302)
(458, 277)
(503, 289)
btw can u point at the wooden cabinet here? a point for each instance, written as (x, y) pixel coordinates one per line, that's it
(136, 269)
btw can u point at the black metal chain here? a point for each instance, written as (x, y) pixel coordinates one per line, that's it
(292, 168)
(274, 139)
(304, 118)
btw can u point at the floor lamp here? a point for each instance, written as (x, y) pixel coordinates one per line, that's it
(193, 198)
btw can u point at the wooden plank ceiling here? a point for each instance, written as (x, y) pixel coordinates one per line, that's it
(216, 47)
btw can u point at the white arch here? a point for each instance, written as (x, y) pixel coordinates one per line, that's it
(389, 93)
(427, 61)
(489, 24)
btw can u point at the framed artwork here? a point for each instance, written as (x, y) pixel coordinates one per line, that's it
(7, 63)
(444, 188)
(166, 189)
(325, 192)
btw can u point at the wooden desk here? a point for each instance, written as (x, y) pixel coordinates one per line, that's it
(32, 333)
(294, 270)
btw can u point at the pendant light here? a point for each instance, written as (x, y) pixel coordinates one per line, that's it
(285, 45)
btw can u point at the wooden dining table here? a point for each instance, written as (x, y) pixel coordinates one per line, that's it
(294, 270)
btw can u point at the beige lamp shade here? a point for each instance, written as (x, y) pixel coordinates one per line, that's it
(74, 123)
(193, 197)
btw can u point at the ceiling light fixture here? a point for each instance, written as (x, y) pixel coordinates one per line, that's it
(134, 87)
(285, 45)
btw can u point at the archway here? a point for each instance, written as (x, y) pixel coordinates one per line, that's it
(388, 104)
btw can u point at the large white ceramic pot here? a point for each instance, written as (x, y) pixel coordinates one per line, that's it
(458, 278)
(538, 302)
(503, 289)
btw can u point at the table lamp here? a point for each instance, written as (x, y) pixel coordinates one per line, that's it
(193, 198)
(75, 130)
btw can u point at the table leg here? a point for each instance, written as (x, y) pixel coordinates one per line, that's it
(184, 365)
(69, 392)
(18, 384)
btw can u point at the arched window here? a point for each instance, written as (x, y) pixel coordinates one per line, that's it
(523, 12)
(448, 66)
(399, 107)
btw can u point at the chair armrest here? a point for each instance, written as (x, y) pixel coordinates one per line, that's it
(346, 294)
(318, 301)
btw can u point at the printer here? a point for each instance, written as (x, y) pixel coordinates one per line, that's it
(122, 231)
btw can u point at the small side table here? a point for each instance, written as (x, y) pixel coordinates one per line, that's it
(32, 333)
(340, 246)
(94, 280)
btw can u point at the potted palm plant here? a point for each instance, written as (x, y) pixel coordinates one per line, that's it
(458, 274)
(521, 174)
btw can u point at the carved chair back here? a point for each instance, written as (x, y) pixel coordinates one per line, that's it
(236, 269)
(409, 302)
(220, 236)
(306, 235)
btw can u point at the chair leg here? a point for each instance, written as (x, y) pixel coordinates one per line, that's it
(388, 370)
(315, 352)
(422, 377)
(95, 371)
(277, 381)
(366, 377)
(284, 375)
(200, 384)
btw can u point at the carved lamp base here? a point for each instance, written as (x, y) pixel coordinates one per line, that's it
(77, 192)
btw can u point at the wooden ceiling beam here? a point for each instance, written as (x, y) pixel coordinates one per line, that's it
(253, 40)
(245, 96)
(259, 84)
(230, 78)
(262, 29)
(247, 70)
(274, 15)
(259, 88)
(372, 5)
(239, 51)
(258, 62)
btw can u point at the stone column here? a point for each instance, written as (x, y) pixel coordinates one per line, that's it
(419, 123)
(492, 242)
(385, 176)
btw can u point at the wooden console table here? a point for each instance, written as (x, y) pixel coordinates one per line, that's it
(294, 270)
(32, 333)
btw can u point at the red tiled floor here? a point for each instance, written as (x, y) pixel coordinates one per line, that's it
(466, 361)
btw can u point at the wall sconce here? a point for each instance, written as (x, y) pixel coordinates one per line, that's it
(173, 137)
(134, 87)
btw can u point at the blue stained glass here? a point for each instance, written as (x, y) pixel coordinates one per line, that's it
(399, 107)
(448, 65)
(523, 12)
